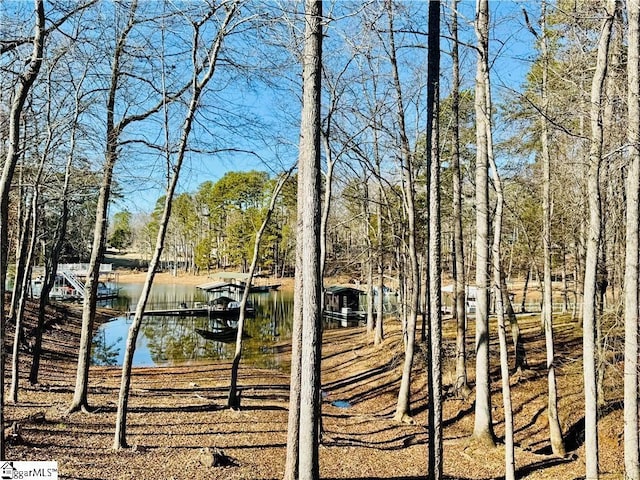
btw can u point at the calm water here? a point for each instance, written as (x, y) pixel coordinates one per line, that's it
(173, 340)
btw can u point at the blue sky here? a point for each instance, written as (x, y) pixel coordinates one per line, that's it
(259, 112)
(276, 109)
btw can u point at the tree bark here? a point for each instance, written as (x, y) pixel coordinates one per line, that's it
(483, 428)
(22, 288)
(25, 81)
(309, 194)
(592, 247)
(631, 280)
(412, 292)
(435, 426)
(293, 423)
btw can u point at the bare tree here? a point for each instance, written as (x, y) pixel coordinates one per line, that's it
(51, 260)
(631, 309)
(24, 84)
(496, 251)
(593, 245)
(555, 432)
(115, 127)
(201, 75)
(403, 408)
(483, 428)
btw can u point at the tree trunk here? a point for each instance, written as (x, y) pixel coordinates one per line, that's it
(79, 400)
(631, 280)
(459, 282)
(518, 344)
(23, 219)
(293, 424)
(51, 262)
(198, 84)
(509, 452)
(412, 292)
(379, 328)
(434, 372)
(309, 194)
(592, 247)
(483, 428)
(555, 432)
(25, 81)
(233, 399)
(22, 290)
(525, 289)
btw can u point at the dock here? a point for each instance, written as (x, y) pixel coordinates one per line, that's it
(195, 311)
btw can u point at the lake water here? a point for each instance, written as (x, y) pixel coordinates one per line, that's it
(171, 340)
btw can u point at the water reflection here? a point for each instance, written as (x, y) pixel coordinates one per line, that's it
(170, 340)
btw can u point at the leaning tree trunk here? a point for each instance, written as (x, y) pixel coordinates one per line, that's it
(80, 400)
(483, 428)
(509, 452)
(25, 81)
(198, 84)
(233, 399)
(593, 245)
(631, 281)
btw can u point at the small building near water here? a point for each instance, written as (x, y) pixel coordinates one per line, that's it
(339, 299)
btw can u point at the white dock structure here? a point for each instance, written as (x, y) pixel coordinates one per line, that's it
(70, 282)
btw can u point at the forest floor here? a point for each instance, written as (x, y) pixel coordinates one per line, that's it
(177, 413)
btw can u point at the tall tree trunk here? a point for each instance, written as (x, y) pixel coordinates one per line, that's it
(434, 372)
(555, 432)
(309, 193)
(113, 130)
(378, 335)
(412, 292)
(198, 84)
(459, 282)
(631, 280)
(25, 81)
(483, 428)
(592, 247)
(509, 453)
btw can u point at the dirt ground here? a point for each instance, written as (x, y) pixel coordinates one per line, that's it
(176, 413)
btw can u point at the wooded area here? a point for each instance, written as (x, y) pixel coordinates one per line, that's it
(493, 148)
